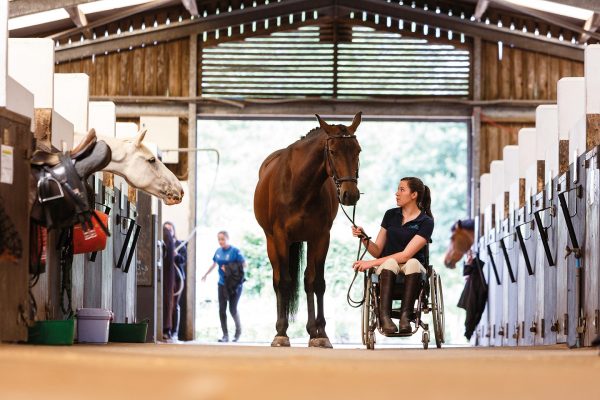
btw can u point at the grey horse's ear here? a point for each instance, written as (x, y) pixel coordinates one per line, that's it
(355, 122)
(324, 125)
(140, 137)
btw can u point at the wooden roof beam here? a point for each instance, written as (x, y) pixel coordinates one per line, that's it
(183, 29)
(19, 8)
(470, 28)
(480, 9)
(77, 16)
(591, 25)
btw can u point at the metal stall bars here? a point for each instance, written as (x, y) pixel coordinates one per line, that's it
(545, 219)
(510, 246)
(571, 93)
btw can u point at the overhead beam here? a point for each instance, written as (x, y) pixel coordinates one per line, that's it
(480, 9)
(490, 32)
(591, 25)
(593, 5)
(341, 8)
(77, 16)
(19, 8)
(191, 6)
(183, 29)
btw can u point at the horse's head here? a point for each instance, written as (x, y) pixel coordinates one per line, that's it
(461, 241)
(142, 170)
(341, 158)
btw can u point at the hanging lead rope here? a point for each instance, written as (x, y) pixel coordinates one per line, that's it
(351, 302)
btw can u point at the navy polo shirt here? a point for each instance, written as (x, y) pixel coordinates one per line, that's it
(398, 236)
(229, 255)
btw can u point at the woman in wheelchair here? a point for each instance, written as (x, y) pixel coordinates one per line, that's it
(400, 248)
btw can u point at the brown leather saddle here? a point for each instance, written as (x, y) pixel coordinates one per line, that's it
(63, 196)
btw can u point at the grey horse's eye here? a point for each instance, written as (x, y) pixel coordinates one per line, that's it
(152, 160)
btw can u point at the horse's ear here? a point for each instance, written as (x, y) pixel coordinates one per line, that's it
(140, 137)
(324, 125)
(458, 224)
(355, 122)
(91, 133)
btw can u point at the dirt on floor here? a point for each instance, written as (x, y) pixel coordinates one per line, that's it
(192, 371)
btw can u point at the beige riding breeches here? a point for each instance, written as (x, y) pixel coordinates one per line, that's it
(412, 266)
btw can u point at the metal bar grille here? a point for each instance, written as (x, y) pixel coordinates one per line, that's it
(305, 63)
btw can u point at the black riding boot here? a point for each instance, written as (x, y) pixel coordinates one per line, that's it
(412, 287)
(386, 286)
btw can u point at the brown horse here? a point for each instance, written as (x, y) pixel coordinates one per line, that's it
(295, 201)
(461, 241)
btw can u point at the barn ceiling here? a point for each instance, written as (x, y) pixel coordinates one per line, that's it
(115, 25)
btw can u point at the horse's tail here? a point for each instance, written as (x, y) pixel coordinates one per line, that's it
(295, 268)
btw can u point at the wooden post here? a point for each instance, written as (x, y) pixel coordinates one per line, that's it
(190, 298)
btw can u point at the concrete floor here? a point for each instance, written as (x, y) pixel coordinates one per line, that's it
(191, 371)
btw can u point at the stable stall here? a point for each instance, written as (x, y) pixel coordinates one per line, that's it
(545, 218)
(571, 190)
(510, 246)
(528, 171)
(591, 268)
(495, 256)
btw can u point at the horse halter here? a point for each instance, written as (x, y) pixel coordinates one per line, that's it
(336, 178)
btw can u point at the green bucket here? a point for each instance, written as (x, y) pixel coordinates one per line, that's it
(52, 332)
(128, 333)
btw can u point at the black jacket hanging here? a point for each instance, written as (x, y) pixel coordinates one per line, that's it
(474, 296)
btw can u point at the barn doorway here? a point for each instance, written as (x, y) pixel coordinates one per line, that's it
(435, 151)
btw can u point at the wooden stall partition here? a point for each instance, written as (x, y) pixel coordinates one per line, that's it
(591, 288)
(545, 221)
(147, 264)
(510, 246)
(528, 171)
(15, 141)
(70, 114)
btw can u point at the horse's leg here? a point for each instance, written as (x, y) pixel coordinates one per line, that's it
(309, 288)
(277, 251)
(320, 254)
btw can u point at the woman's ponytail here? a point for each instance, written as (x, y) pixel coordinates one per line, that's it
(426, 202)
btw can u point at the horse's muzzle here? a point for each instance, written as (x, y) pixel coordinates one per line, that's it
(349, 197)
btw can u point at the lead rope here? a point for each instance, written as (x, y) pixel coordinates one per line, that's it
(351, 302)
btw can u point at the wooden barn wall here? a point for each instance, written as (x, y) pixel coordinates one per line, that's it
(152, 70)
(494, 136)
(522, 74)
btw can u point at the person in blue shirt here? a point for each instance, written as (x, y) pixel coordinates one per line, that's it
(400, 249)
(226, 257)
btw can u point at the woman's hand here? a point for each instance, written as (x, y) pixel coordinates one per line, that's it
(357, 231)
(362, 265)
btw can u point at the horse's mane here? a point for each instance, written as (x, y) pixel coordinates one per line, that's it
(468, 224)
(312, 132)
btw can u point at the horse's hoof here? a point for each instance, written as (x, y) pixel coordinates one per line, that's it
(323, 343)
(281, 341)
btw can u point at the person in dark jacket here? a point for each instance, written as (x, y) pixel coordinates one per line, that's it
(168, 283)
(400, 249)
(181, 264)
(228, 257)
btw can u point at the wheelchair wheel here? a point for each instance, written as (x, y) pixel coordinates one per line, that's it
(368, 317)
(437, 306)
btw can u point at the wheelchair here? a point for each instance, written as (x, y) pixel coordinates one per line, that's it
(430, 300)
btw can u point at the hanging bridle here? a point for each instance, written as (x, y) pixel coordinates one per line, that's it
(336, 178)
